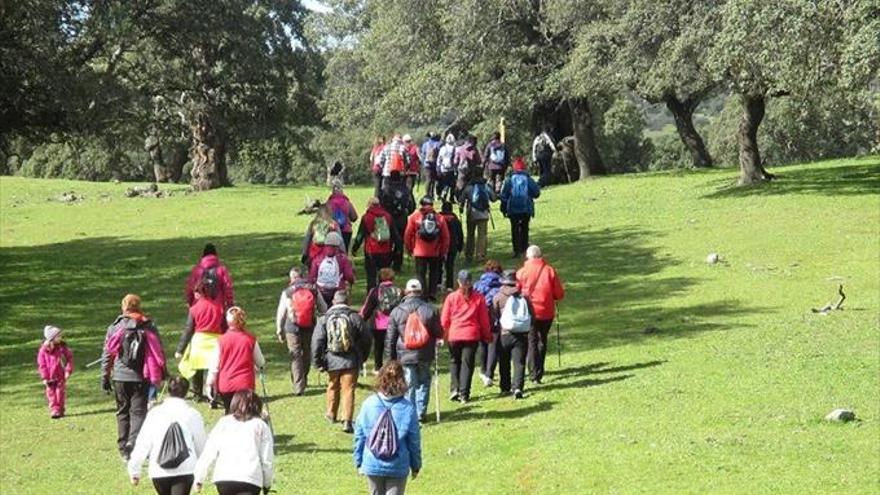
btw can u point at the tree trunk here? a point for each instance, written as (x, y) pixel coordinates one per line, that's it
(751, 169)
(585, 150)
(208, 154)
(683, 113)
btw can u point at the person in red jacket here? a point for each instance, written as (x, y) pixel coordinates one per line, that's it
(198, 343)
(427, 240)
(379, 236)
(215, 275)
(414, 165)
(331, 270)
(465, 322)
(541, 285)
(238, 358)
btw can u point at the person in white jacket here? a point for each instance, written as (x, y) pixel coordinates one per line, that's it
(178, 480)
(242, 446)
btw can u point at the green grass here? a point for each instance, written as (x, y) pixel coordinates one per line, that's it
(727, 397)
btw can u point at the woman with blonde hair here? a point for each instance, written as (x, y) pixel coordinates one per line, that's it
(387, 442)
(238, 358)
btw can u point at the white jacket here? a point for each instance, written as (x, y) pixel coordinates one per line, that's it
(244, 452)
(149, 440)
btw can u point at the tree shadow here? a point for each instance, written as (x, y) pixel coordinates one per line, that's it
(562, 374)
(284, 444)
(471, 413)
(859, 179)
(584, 383)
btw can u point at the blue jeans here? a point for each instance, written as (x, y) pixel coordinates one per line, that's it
(418, 378)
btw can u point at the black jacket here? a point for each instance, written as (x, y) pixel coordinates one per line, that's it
(360, 342)
(394, 348)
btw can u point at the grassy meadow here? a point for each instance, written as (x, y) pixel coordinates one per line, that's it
(727, 395)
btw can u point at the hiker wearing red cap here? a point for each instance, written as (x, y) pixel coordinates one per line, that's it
(518, 196)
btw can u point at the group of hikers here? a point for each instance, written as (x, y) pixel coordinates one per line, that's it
(504, 316)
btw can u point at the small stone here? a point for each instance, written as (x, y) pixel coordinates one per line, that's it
(841, 415)
(713, 258)
(450, 451)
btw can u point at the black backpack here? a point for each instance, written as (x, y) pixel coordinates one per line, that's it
(210, 282)
(173, 450)
(429, 228)
(133, 348)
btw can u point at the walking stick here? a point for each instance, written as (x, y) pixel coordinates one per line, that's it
(437, 387)
(492, 218)
(266, 402)
(558, 340)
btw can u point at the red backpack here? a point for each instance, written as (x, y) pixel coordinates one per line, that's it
(415, 334)
(302, 307)
(396, 162)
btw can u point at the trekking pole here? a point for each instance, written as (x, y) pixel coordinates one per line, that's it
(437, 386)
(268, 417)
(492, 218)
(558, 340)
(93, 363)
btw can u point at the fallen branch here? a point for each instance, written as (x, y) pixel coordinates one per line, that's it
(838, 306)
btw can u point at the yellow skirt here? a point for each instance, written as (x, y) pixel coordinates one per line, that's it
(201, 352)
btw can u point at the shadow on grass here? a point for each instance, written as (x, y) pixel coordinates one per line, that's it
(471, 413)
(562, 374)
(284, 444)
(863, 178)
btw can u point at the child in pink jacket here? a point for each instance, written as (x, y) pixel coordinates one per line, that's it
(55, 364)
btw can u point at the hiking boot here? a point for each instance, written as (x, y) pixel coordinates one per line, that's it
(347, 427)
(330, 419)
(453, 396)
(486, 380)
(463, 400)
(517, 394)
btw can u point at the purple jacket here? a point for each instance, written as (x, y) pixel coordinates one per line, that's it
(339, 202)
(225, 293)
(54, 363)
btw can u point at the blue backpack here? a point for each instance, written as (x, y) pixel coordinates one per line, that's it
(498, 155)
(340, 218)
(383, 437)
(480, 197)
(519, 194)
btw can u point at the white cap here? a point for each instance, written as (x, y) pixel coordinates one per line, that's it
(407, 138)
(413, 285)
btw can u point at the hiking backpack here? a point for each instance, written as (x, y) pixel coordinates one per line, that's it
(519, 194)
(381, 230)
(340, 217)
(395, 161)
(383, 437)
(415, 333)
(479, 197)
(320, 231)
(429, 228)
(498, 155)
(210, 282)
(173, 451)
(329, 273)
(544, 147)
(446, 155)
(387, 297)
(338, 328)
(301, 311)
(515, 317)
(433, 151)
(133, 348)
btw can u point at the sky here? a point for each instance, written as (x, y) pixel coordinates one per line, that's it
(315, 5)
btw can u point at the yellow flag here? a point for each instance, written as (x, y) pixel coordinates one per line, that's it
(501, 129)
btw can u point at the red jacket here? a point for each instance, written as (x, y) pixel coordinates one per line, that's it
(225, 293)
(372, 246)
(235, 370)
(465, 318)
(345, 267)
(207, 315)
(542, 286)
(419, 247)
(414, 162)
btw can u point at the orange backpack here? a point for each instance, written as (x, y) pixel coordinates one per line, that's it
(396, 162)
(415, 334)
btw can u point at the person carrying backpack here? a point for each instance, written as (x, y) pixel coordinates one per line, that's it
(238, 358)
(214, 276)
(518, 196)
(446, 169)
(133, 358)
(468, 163)
(295, 319)
(477, 198)
(465, 322)
(430, 152)
(380, 237)
(399, 202)
(376, 163)
(331, 270)
(199, 341)
(387, 440)
(427, 239)
(339, 347)
(456, 243)
(55, 365)
(488, 285)
(413, 163)
(541, 284)
(343, 212)
(172, 438)
(496, 158)
(316, 234)
(394, 158)
(543, 149)
(378, 305)
(413, 330)
(513, 312)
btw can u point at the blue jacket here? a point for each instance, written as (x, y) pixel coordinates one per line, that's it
(534, 192)
(488, 285)
(409, 441)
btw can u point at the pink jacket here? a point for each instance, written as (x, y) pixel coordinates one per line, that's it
(54, 363)
(340, 202)
(154, 355)
(344, 265)
(225, 292)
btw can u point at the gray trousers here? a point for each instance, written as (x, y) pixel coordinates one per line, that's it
(299, 347)
(381, 485)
